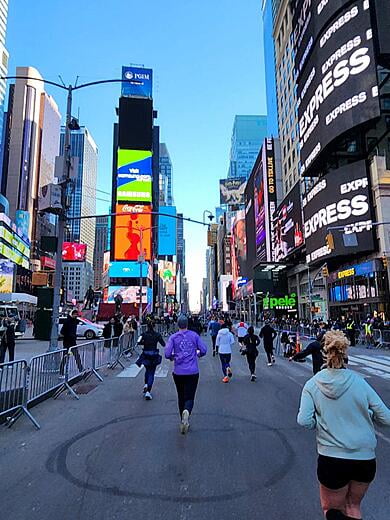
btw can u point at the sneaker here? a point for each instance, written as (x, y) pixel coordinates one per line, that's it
(269, 364)
(253, 377)
(229, 372)
(148, 396)
(225, 379)
(214, 353)
(145, 389)
(185, 422)
(273, 359)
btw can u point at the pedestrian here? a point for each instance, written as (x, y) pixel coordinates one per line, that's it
(89, 298)
(8, 342)
(314, 349)
(184, 348)
(214, 327)
(344, 409)
(241, 331)
(224, 342)
(351, 331)
(268, 334)
(150, 357)
(69, 333)
(118, 300)
(112, 331)
(251, 342)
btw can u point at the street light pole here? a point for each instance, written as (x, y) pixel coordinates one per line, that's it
(141, 263)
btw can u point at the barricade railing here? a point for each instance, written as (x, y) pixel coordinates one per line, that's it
(13, 391)
(47, 372)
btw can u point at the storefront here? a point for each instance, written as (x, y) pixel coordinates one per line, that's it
(360, 289)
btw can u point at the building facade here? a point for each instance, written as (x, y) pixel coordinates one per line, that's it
(78, 276)
(166, 177)
(4, 56)
(101, 246)
(83, 196)
(248, 134)
(270, 70)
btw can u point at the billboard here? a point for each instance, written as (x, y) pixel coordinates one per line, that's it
(264, 190)
(232, 190)
(341, 198)
(167, 273)
(167, 231)
(288, 225)
(239, 252)
(134, 176)
(250, 228)
(137, 82)
(128, 225)
(6, 276)
(74, 252)
(337, 89)
(129, 294)
(127, 270)
(135, 124)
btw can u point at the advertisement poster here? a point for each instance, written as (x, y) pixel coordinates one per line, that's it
(288, 226)
(134, 220)
(129, 294)
(6, 276)
(134, 176)
(167, 273)
(74, 252)
(239, 252)
(260, 214)
(167, 230)
(127, 270)
(232, 190)
(137, 82)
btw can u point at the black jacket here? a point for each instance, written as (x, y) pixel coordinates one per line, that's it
(268, 334)
(251, 343)
(108, 332)
(69, 332)
(150, 339)
(314, 350)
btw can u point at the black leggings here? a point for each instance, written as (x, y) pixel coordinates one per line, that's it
(11, 352)
(251, 358)
(186, 388)
(269, 350)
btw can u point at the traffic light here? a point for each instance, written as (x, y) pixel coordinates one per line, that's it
(325, 271)
(330, 241)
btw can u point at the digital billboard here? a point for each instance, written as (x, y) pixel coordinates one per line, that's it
(239, 252)
(250, 228)
(232, 190)
(135, 124)
(129, 294)
(137, 82)
(167, 273)
(338, 88)
(134, 176)
(6, 276)
(288, 225)
(264, 190)
(341, 198)
(167, 231)
(74, 252)
(127, 269)
(131, 220)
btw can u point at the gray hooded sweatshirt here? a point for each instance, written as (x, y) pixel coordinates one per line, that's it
(343, 408)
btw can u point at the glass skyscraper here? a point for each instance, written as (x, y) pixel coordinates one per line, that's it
(83, 198)
(248, 135)
(270, 71)
(3, 69)
(166, 191)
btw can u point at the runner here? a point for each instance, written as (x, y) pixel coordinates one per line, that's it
(150, 357)
(251, 342)
(241, 331)
(268, 334)
(184, 348)
(214, 327)
(224, 342)
(343, 408)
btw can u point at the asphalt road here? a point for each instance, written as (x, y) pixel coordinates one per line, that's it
(112, 455)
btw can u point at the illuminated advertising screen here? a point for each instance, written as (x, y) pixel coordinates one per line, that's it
(264, 200)
(232, 191)
(341, 198)
(239, 252)
(167, 231)
(167, 273)
(134, 220)
(129, 294)
(135, 124)
(6, 276)
(74, 252)
(250, 228)
(127, 270)
(137, 81)
(337, 89)
(288, 225)
(134, 176)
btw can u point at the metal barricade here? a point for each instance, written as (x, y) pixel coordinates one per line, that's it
(102, 353)
(385, 339)
(13, 391)
(47, 372)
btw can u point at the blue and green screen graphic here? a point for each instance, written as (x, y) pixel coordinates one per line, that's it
(134, 176)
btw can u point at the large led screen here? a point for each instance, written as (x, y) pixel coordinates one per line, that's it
(167, 231)
(239, 252)
(341, 198)
(129, 294)
(6, 276)
(135, 124)
(74, 252)
(232, 190)
(338, 89)
(132, 221)
(137, 81)
(134, 176)
(288, 226)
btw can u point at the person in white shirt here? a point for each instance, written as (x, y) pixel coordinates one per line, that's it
(241, 331)
(224, 342)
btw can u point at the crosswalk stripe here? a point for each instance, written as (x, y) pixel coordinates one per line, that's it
(162, 371)
(131, 371)
(381, 361)
(372, 364)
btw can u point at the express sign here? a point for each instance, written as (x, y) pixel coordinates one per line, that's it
(337, 89)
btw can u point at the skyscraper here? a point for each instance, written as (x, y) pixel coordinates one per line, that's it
(3, 64)
(83, 198)
(166, 191)
(270, 72)
(101, 246)
(248, 135)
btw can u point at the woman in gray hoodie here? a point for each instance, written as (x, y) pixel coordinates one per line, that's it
(343, 408)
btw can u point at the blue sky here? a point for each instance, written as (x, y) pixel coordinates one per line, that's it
(207, 58)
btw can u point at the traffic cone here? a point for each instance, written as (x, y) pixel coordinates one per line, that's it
(299, 348)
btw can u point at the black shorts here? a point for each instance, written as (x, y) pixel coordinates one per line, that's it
(336, 473)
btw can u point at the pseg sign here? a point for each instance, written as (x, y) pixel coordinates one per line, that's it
(137, 82)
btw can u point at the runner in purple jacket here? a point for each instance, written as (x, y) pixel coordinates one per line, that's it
(184, 348)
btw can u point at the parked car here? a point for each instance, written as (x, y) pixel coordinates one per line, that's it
(85, 328)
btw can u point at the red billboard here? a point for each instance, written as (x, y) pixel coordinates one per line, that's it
(74, 252)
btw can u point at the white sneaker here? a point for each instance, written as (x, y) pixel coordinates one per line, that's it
(185, 423)
(269, 364)
(253, 377)
(148, 396)
(145, 389)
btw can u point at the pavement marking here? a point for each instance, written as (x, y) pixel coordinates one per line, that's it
(375, 359)
(380, 370)
(131, 371)
(162, 371)
(382, 436)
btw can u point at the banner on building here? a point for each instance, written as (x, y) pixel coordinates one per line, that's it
(137, 82)
(232, 191)
(167, 231)
(74, 252)
(134, 176)
(6, 276)
(167, 273)
(288, 225)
